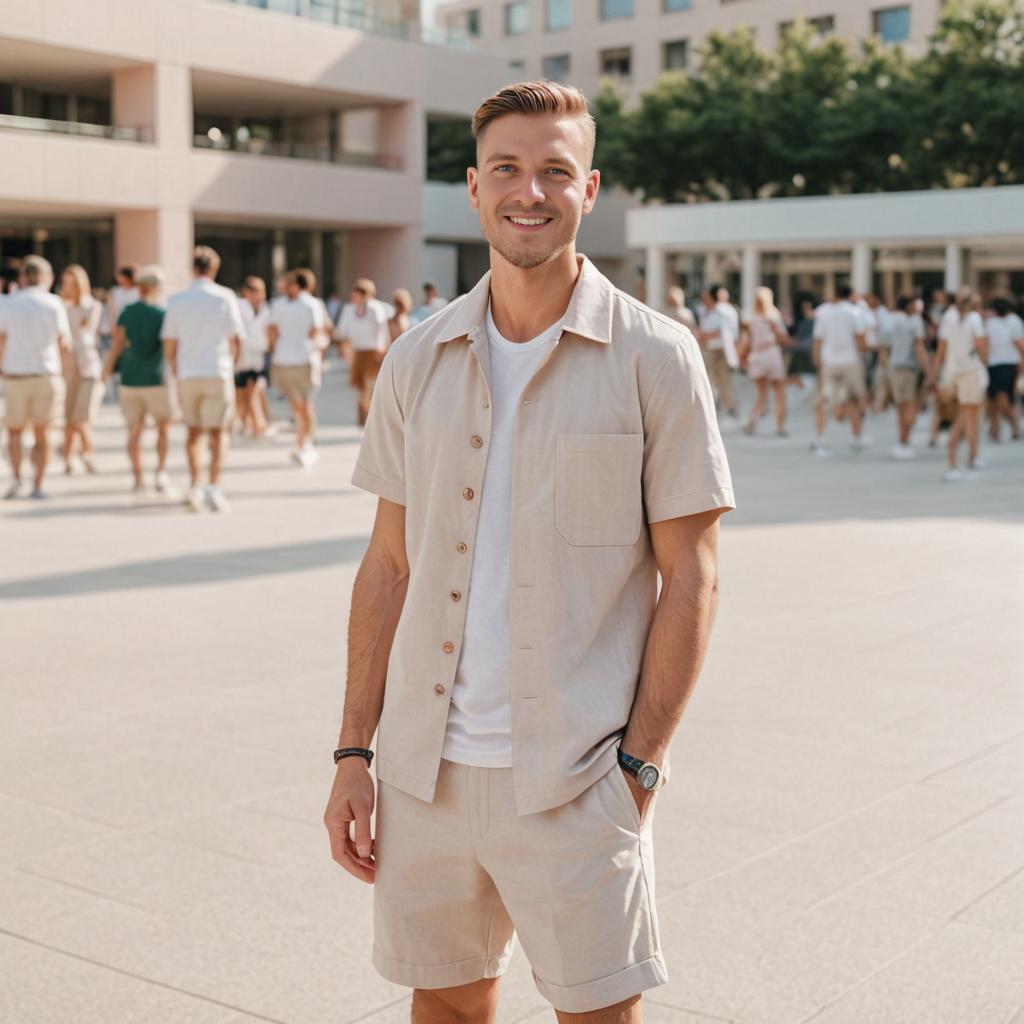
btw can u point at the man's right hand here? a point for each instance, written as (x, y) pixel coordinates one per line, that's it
(351, 800)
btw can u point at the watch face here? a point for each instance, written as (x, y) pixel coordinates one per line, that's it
(648, 777)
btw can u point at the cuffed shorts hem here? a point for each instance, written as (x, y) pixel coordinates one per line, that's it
(461, 972)
(607, 991)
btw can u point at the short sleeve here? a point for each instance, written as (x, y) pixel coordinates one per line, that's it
(3, 314)
(380, 465)
(318, 313)
(62, 324)
(1017, 329)
(235, 324)
(169, 330)
(685, 466)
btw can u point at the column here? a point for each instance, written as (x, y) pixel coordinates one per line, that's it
(278, 257)
(654, 278)
(860, 268)
(750, 277)
(954, 273)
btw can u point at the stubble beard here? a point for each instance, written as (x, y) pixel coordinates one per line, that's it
(524, 259)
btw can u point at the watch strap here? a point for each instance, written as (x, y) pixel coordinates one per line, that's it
(631, 764)
(353, 752)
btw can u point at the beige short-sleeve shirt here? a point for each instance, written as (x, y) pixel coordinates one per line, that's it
(616, 430)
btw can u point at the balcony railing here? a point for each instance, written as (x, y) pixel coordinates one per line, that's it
(126, 133)
(346, 15)
(297, 151)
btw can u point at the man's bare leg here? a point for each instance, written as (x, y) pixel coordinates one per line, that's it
(216, 453)
(629, 1011)
(14, 451)
(135, 450)
(473, 1003)
(192, 442)
(41, 453)
(163, 440)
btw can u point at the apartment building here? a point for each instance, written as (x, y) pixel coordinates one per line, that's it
(282, 132)
(633, 41)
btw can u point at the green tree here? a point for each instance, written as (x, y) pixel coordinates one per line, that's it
(451, 148)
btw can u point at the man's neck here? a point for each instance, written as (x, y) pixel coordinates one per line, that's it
(526, 302)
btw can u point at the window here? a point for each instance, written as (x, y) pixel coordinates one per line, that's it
(515, 18)
(616, 9)
(555, 69)
(892, 24)
(519, 66)
(559, 14)
(822, 25)
(617, 63)
(674, 55)
(472, 23)
(676, 5)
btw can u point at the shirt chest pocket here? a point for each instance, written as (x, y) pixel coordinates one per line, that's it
(598, 500)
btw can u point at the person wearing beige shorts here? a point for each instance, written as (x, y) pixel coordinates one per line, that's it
(206, 402)
(521, 672)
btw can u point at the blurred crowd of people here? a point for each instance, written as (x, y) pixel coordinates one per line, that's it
(954, 354)
(206, 355)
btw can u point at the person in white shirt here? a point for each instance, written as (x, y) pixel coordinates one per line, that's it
(124, 293)
(902, 341)
(679, 310)
(34, 334)
(251, 369)
(83, 367)
(959, 368)
(363, 337)
(839, 343)
(717, 336)
(297, 333)
(202, 334)
(1005, 332)
(432, 302)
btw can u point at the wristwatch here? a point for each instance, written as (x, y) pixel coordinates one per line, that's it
(648, 776)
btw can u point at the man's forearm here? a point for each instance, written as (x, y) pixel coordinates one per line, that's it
(676, 645)
(377, 600)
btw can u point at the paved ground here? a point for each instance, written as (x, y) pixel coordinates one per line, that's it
(843, 840)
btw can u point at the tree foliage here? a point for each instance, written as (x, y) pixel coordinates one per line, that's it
(815, 117)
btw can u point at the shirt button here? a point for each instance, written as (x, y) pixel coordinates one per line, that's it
(456, 595)
(448, 647)
(476, 441)
(461, 548)
(439, 690)
(467, 493)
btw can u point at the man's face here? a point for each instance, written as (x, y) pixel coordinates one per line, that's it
(531, 186)
(291, 288)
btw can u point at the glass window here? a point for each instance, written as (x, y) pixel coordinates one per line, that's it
(892, 24)
(617, 63)
(555, 69)
(516, 21)
(676, 5)
(616, 9)
(519, 66)
(473, 22)
(675, 55)
(559, 14)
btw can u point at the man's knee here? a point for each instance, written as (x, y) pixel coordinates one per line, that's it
(473, 1003)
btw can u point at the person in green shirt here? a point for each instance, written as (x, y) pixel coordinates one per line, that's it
(137, 355)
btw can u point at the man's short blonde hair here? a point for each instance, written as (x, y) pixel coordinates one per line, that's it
(537, 98)
(36, 269)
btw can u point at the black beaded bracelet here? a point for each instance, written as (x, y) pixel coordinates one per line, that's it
(353, 752)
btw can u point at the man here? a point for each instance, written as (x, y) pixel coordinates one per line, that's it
(202, 334)
(124, 293)
(432, 302)
(678, 309)
(718, 342)
(296, 336)
(839, 343)
(902, 340)
(512, 644)
(137, 355)
(34, 334)
(363, 337)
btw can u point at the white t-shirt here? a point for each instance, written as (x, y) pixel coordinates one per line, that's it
(959, 334)
(294, 319)
(255, 343)
(203, 319)
(85, 325)
(368, 332)
(870, 320)
(1003, 333)
(900, 336)
(836, 325)
(33, 321)
(480, 715)
(117, 299)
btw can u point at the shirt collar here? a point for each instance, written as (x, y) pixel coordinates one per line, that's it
(588, 315)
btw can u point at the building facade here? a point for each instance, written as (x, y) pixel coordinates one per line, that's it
(282, 132)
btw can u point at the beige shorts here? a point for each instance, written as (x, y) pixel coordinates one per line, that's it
(365, 369)
(296, 383)
(206, 402)
(83, 404)
(31, 400)
(969, 387)
(137, 402)
(903, 384)
(842, 384)
(576, 885)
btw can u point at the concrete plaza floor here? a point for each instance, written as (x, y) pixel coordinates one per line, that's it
(842, 841)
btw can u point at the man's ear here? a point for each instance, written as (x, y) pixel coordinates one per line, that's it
(593, 184)
(472, 183)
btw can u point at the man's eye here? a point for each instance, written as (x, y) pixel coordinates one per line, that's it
(504, 167)
(559, 170)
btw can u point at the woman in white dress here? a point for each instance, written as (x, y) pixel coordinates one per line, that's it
(83, 366)
(763, 335)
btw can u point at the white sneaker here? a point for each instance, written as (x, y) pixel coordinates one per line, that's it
(216, 500)
(952, 476)
(163, 482)
(309, 456)
(858, 444)
(978, 464)
(13, 491)
(903, 451)
(819, 450)
(194, 498)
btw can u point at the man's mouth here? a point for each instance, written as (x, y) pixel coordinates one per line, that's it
(524, 223)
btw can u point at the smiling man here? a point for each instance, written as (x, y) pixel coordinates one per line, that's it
(543, 449)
